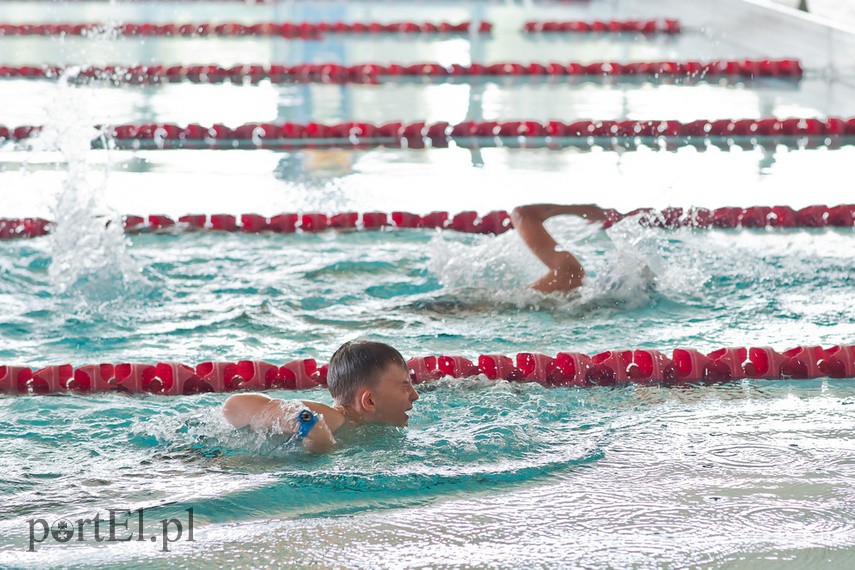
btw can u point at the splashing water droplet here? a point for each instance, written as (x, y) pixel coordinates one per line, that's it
(88, 245)
(624, 266)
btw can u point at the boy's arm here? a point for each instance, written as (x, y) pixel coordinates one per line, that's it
(565, 271)
(263, 413)
(590, 212)
(528, 221)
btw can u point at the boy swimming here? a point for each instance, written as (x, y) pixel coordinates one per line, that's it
(369, 382)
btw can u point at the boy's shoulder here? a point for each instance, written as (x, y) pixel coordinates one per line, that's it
(332, 417)
(263, 412)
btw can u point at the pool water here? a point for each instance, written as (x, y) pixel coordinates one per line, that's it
(489, 474)
(195, 297)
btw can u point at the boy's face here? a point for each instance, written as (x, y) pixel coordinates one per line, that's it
(393, 396)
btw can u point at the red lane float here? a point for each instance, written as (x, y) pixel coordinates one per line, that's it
(753, 217)
(810, 132)
(377, 73)
(23, 227)
(609, 368)
(495, 222)
(288, 30)
(666, 26)
(167, 378)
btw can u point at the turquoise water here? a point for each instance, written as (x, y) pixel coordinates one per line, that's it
(496, 473)
(196, 297)
(489, 474)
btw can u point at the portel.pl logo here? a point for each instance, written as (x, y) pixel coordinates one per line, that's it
(116, 525)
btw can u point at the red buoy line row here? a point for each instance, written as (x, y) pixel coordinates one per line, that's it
(495, 222)
(375, 73)
(310, 30)
(685, 365)
(439, 134)
(287, 30)
(665, 26)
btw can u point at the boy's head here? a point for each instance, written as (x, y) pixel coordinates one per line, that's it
(373, 378)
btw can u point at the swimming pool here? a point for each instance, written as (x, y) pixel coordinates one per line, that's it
(489, 473)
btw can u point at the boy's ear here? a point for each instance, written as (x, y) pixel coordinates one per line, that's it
(365, 399)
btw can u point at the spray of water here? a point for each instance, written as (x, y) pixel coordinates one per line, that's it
(88, 245)
(671, 262)
(627, 266)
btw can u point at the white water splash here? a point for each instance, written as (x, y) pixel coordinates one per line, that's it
(88, 245)
(671, 262)
(625, 266)
(494, 263)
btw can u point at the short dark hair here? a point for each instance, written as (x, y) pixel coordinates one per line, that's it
(357, 363)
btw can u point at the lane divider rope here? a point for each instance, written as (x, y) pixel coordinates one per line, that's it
(583, 133)
(665, 26)
(495, 222)
(313, 30)
(376, 73)
(287, 30)
(609, 368)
